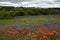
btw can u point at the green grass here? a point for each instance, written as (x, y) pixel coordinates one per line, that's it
(27, 20)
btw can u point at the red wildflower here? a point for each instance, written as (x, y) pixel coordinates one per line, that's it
(24, 30)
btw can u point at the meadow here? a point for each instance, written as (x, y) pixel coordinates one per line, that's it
(26, 20)
(42, 27)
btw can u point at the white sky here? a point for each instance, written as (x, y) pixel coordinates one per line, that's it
(31, 3)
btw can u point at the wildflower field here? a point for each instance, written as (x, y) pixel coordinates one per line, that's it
(30, 28)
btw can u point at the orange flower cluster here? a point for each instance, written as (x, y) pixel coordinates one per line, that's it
(29, 34)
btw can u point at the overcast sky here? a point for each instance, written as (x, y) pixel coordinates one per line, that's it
(31, 3)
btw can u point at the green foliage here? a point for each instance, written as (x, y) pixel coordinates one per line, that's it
(10, 12)
(6, 14)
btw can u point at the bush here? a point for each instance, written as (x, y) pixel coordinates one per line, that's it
(6, 14)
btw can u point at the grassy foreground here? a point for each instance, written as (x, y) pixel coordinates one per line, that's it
(31, 31)
(26, 20)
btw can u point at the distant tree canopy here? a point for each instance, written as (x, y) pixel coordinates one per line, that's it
(10, 12)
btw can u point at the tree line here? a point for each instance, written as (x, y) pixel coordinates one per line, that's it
(11, 12)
